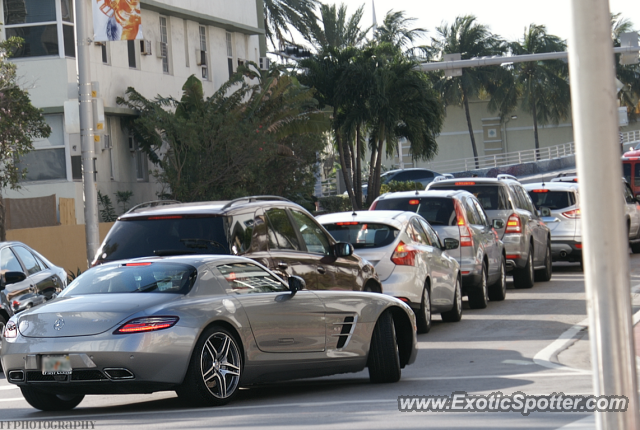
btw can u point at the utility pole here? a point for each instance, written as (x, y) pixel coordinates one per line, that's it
(86, 131)
(604, 235)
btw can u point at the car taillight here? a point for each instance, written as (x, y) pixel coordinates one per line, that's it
(574, 214)
(373, 206)
(140, 325)
(10, 330)
(404, 255)
(465, 233)
(513, 224)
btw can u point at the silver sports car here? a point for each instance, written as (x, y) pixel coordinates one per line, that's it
(200, 325)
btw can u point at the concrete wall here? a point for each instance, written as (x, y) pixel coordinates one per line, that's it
(63, 245)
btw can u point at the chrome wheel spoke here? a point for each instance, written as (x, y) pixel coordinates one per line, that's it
(224, 350)
(222, 385)
(221, 365)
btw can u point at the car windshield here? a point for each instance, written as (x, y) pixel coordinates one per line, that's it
(552, 199)
(436, 210)
(489, 196)
(363, 235)
(159, 277)
(165, 235)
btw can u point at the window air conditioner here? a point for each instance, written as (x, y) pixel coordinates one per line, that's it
(265, 63)
(145, 47)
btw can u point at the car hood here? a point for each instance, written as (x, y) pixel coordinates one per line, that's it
(85, 315)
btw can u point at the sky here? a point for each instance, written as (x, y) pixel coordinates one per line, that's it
(507, 18)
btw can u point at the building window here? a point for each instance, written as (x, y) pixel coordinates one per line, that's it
(140, 158)
(164, 44)
(105, 52)
(230, 54)
(47, 161)
(203, 52)
(131, 52)
(186, 42)
(108, 144)
(44, 33)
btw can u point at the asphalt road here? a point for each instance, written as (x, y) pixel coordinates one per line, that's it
(489, 350)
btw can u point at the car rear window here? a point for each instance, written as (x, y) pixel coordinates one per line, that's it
(552, 199)
(491, 197)
(436, 210)
(136, 277)
(165, 235)
(363, 235)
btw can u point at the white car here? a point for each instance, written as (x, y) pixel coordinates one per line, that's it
(409, 257)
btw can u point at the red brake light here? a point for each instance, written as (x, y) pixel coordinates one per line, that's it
(165, 217)
(373, 206)
(540, 191)
(347, 223)
(513, 224)
(137, 264)
(578, 246)
(574, 214)
(404, 255)
(465, 183)
(414, 202)
(140, 325)
(465, 234)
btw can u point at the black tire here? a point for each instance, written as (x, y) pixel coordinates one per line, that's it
(544, 275)
(384, 359)
(50, 402)
(635, 248)
(498, 291)
(217, 350)
(455, 314)
(423, 315)
(523, 278)
(479, 296)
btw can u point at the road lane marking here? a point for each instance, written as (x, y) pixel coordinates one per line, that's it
(551, 351)
(9, 387)
(15, 399)
(572, 374)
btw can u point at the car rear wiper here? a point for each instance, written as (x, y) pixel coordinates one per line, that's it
(200, 243)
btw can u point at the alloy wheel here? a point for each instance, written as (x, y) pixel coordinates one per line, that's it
(220, 364)
(458, 297)
(427, 304)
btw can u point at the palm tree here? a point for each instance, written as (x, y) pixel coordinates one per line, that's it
(470, 39)
(628, 75)
(395, 30)
(541, 86)
(336, 29)
(280, 16)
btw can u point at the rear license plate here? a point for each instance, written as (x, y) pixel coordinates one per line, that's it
(56, 365)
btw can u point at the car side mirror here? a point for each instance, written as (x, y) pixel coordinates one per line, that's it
(343, 249)
(497, 224)
(9, 278)
(296, 283)
(451, 243)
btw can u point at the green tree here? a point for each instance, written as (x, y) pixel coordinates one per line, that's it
(20, 124)
(258, 135)
(336, 29)
(470, 39)
(628, 75)
(541, 87)
(281, 16)
(395, 29)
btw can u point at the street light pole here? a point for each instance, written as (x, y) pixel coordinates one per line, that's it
(604, 235)
(86, 131)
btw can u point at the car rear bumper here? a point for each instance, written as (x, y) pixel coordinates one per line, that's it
(403, 284)
(566, 250)
(515, 248)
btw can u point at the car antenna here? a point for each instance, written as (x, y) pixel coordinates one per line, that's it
(416, 187)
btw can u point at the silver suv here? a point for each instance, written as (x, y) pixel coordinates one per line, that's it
(527, 240)
(459, 215)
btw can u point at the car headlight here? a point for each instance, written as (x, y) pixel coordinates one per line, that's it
(10, 330)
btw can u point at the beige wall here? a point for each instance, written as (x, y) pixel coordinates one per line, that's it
(63, 245)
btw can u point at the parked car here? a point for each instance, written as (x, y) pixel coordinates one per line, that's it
(561, 197)
(277, 233)
(527, 240)
(201, 325)
(412, 262)
(458, 214)
(422, 176)
(44, 279)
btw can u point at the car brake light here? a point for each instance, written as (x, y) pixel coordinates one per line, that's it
(574, 214)
(140, 325)
(513, 224)
(540, 191)
(404, 255)
(414, 202)
(465, 232)
(578, 245)
(373, 206)
(137, 264)
(465, 183)
(15, 303)
(347, 223)
(10, 330)
(165, 217)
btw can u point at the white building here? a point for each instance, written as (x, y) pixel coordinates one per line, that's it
(206, 38)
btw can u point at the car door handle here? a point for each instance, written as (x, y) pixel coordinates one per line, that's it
(321, 270)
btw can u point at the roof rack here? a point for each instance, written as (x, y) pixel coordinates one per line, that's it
(504, 176)
(443, 177)
(254, 199)
(153, 204)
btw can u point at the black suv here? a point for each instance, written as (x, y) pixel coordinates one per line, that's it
(277, 233)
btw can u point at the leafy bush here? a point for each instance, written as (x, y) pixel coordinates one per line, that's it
(335, 204)
(395, 186)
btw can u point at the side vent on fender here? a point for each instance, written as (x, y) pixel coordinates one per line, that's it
(347, 330)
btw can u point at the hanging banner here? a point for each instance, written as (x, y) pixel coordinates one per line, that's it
(116, 20)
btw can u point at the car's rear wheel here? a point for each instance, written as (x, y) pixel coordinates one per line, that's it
(455, 314)
(498, 291)
(479, 296)
(544, 275)
(213, 376)
(50, 402)
(523, 278)
(423, 316)
(384, 358)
